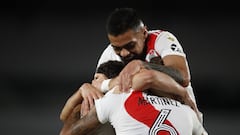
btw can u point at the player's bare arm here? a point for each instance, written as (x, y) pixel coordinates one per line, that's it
(86, 124)
(158, 83)
(74, 116)
(82, 94)
(178, 65)
(175, 66)
(74, 125)
(161, 84)
(69, 106)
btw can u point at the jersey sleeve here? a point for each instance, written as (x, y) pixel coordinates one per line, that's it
(108, 54)
(198, 128)
(167, 44)
(107, 106)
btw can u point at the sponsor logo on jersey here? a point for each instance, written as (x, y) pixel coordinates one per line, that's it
(175, 48)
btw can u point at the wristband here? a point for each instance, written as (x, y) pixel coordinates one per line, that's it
(105, 85)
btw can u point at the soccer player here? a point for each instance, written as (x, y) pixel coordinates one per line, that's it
(135, 112)
(132, 43)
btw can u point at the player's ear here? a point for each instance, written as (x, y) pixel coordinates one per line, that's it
(145, 32)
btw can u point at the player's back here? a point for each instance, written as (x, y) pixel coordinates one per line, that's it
(137, 113)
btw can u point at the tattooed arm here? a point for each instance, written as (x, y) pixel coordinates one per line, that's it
(162, 85)
(81, 126)
(86, 124)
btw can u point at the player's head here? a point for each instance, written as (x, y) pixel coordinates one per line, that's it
(107, 70)
(126, 33)
(110, 68)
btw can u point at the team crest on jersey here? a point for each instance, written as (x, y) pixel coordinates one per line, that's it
(171, 38)
(151, 54)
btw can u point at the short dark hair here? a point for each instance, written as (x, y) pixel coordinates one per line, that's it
(110, 68)
(121, 20)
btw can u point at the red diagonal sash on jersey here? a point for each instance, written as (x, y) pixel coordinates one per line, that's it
(141, 110)
(151, 40)
(146, 114)
(151, 53)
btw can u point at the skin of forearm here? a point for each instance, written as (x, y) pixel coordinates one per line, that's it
(167, 83)
(158, 83)
(174, 73)
(71, 103)
(169, 87)
(86, 124)
(113, 82)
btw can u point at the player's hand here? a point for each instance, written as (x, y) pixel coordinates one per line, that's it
(126, 75)
(86, 93)
(89, 94)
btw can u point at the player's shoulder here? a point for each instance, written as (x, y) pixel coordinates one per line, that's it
(109, 47)
(109, 50)
(161, 33)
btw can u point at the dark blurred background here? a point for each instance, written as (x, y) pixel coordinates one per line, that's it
(49, 48)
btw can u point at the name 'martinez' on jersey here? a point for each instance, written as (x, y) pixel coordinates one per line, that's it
(148, 99)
